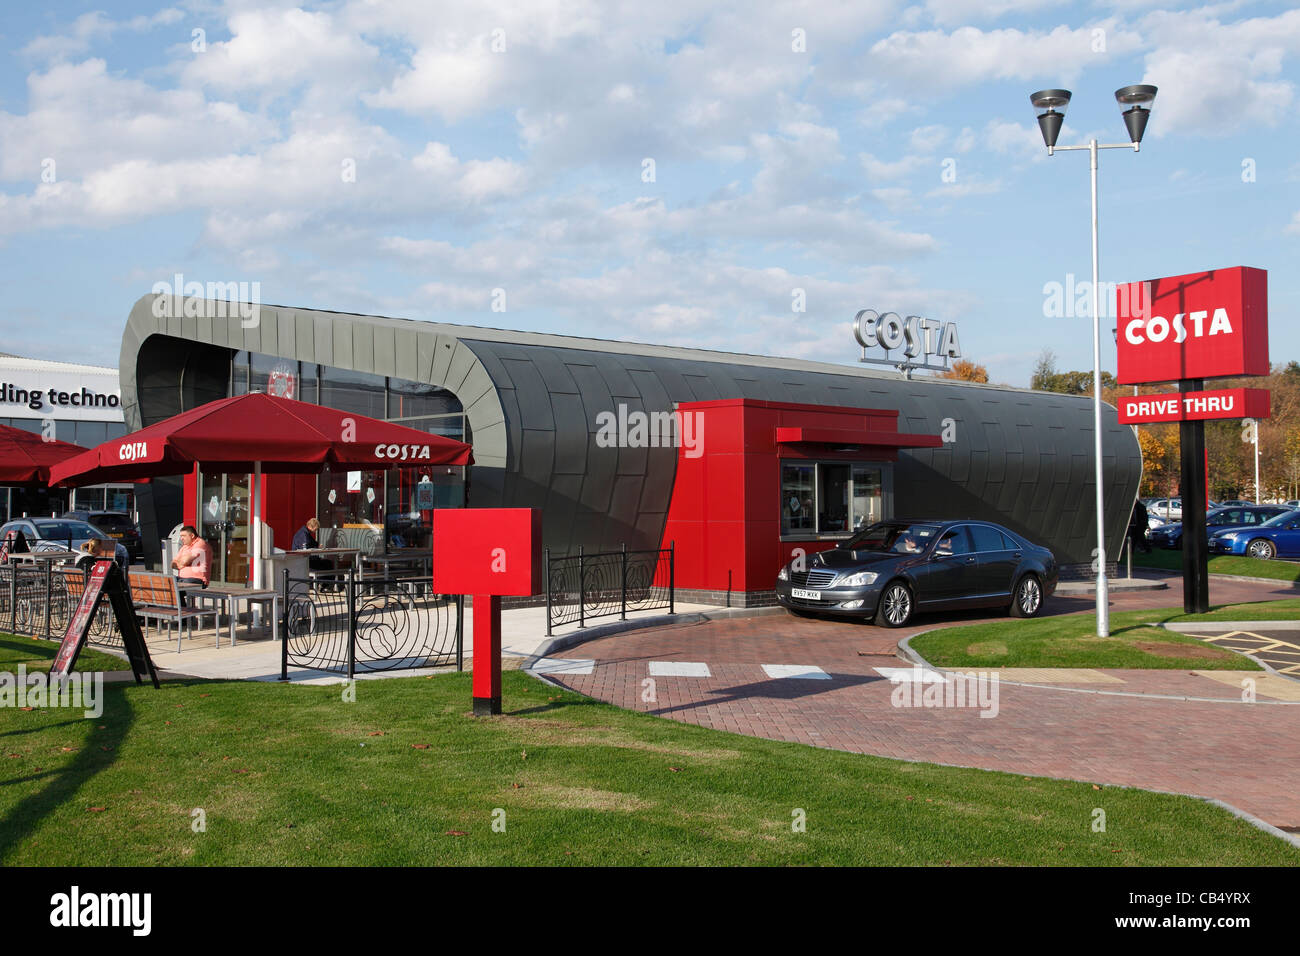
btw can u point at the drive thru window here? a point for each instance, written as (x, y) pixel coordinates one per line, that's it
(830, 497)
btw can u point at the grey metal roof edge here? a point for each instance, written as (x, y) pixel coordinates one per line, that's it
(471, 333)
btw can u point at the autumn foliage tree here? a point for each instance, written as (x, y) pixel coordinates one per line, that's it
(1231, 460)
(966, 371)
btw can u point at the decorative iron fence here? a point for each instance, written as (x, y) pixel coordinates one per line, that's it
(342, 623)
(40, 601)
(585, 586)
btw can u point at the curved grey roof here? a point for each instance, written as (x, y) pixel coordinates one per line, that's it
(1021, 458)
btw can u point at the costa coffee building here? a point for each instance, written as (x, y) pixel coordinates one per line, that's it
(737, 460)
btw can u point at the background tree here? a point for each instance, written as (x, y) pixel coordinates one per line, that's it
(965, 371)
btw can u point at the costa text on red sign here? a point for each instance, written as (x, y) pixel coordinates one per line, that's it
(1202, 325)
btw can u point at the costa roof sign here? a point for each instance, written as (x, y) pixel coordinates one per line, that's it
(1203, 325)
(1194, 406)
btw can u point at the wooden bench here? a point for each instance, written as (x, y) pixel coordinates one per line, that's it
(157, 598)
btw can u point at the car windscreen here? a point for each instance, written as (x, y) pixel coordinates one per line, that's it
(895, 538)
(1281, 519)
(63, 530)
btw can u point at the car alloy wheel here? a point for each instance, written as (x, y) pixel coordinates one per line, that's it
(1029, 596)
(895, 605)
(1261, 548)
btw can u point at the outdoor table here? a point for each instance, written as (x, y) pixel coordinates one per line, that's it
(334, 554)
(416, 559)
(231, 597)
(36, 557)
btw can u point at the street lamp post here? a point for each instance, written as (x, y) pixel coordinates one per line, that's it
(1051, 105)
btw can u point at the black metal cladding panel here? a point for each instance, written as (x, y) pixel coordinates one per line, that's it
(653, 389)
(531, 393)
(617, 380)
(570, 442)
(536, 458)
(514, 428)
(593, 391)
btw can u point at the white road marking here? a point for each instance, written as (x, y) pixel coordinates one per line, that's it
(804, 671)
(679, 669)
(562, 665)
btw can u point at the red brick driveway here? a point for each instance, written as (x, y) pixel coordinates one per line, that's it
(1247, 755)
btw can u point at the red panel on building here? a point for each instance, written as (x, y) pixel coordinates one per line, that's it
(1194, 406)
(725, 515)
(1203, 325)
(486, 551)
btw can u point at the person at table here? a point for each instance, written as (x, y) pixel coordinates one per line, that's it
(193, 562)
(305, 540)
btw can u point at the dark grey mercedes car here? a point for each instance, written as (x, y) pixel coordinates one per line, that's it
(893, 569)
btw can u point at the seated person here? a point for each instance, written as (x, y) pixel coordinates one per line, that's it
(94, 550)
(305, 540)
(193, 562)
(906, 544)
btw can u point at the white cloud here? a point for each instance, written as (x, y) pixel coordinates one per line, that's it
(955, 12)
(1217, 78)
(926, 139)
(90, 28)
(1015, 139)
(276, 50)
(879, 169)
(934, 60)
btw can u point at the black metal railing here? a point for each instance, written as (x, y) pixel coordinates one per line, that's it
(39, 601)
(581, 586)
(343, 623)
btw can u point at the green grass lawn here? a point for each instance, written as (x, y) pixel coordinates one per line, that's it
(403, 775)
(1071, 641)
(38, 655)
(1221, 564)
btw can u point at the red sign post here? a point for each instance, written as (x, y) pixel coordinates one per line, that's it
(1186, 329)
(487, 553)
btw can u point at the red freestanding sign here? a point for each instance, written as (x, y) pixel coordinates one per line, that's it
(1202, 325)
(1194, 406)
(487, 552)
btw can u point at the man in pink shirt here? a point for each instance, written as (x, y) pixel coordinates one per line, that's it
(194, 560)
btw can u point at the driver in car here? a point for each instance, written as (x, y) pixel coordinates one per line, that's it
(907, 545)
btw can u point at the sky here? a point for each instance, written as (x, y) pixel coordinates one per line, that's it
(740, 176)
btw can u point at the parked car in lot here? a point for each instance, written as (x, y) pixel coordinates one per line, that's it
(116, 525)
(1278, 538)
(1220, 519)
(893, 569)
(57, 534)
(1238, 503)
(1166, 509)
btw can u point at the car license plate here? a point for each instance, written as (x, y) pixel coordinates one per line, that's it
(115, 534)
(806, 595)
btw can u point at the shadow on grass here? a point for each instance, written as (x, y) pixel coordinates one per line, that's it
(105, 738)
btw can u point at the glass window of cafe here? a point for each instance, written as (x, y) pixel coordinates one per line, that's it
(830, 497)
(380, 510)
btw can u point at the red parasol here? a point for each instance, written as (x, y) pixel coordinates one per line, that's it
(26, 457)
(260, 432)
